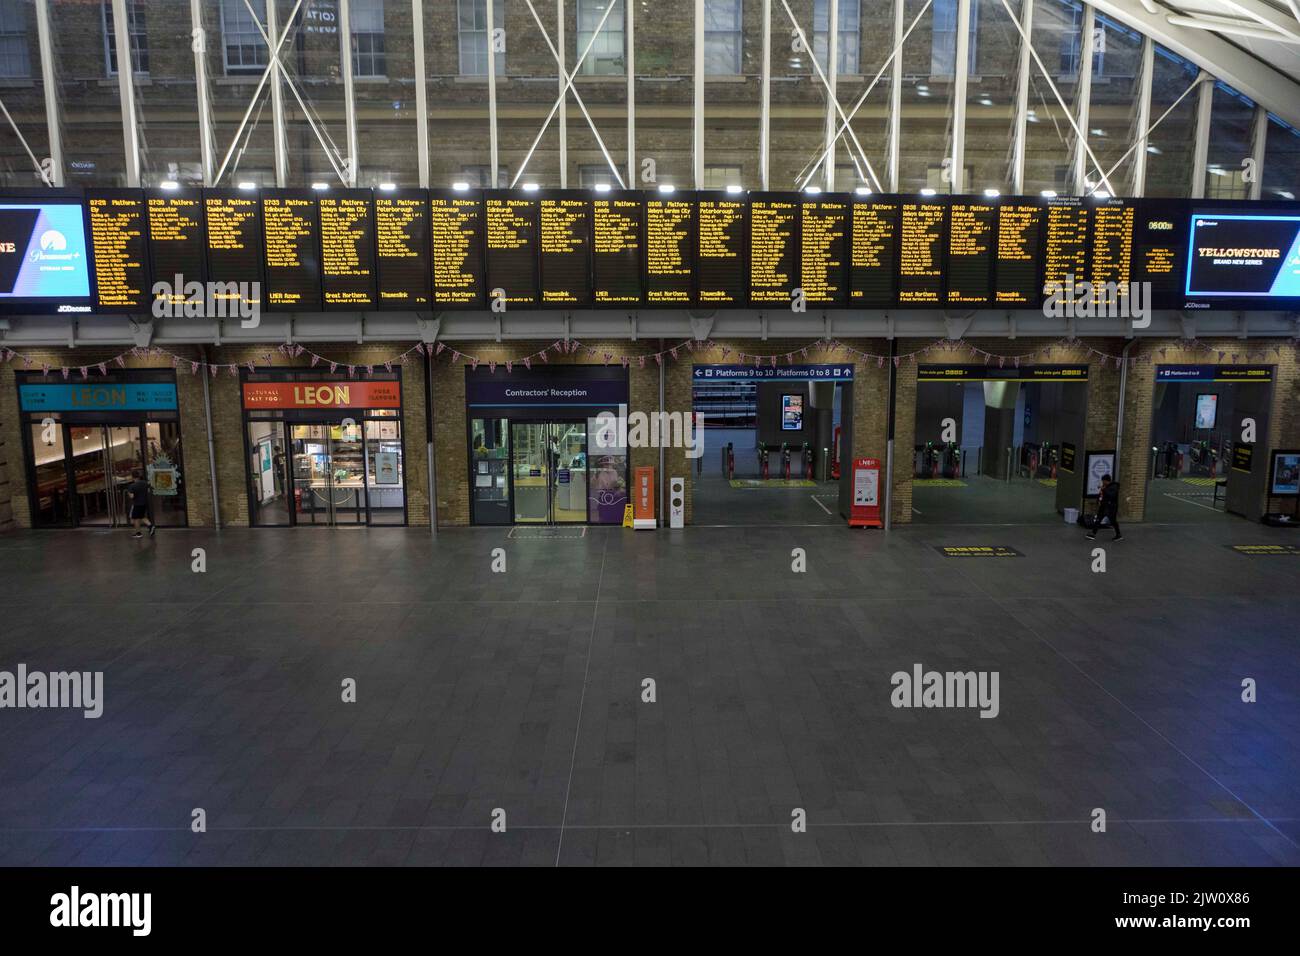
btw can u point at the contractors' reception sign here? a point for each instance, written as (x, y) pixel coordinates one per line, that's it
(306, 395)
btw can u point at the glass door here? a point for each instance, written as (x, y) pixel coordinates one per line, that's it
(549, 472)
(347, 456)
(104, 458)
(52, 483)
(313, 498)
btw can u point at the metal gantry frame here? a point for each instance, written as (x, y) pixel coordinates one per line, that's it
(1193, 37)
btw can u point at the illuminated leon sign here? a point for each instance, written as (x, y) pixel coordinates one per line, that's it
(108, 397)
(307, 395)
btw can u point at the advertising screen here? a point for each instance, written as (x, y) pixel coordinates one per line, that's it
(44, 265)
(1207, 407)
(1284, 477)
(791, 413)
(1243, 256)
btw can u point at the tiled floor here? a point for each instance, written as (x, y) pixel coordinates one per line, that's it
(522, 691)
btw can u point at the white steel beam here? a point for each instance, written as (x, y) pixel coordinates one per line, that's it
(563, 118)
(275, 44)
(961, 68)
(1258, 145)
(353, 161)
(207, 144)
(895, 102)
(629, 21)
(832, 100)
(492, 96)
(1138, 180)
(765, 102)
(51, 90)
(697, 130)
(421, 96)
(126, 91)
(1021, 129)
(1082, 99)
(1253, 77)
(1201, 148)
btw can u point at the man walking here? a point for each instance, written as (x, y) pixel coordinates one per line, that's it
(1107, 507)
(138, 489)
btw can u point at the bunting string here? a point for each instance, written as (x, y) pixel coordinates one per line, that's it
(1069, 348)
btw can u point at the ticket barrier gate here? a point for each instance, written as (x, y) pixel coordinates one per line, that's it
(807, 460)
(728, 461)
(785, 460)
(762, 463)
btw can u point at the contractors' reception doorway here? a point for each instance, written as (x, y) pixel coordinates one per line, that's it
(534, 453)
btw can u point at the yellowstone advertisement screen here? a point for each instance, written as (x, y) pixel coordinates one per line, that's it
(1243, 256)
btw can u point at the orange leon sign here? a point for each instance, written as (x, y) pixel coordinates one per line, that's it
(290, 395)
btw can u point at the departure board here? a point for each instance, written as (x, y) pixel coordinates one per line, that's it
(1159, 248)
(291, 228)
(669, 250)
(120, 250)
(233, 224)
(972, 235)
(720, 249)
(617, 227)
(1019, 248)
(456, 231)
(564, 242)
(402, 249)
(873, 253)
(1110, 260)
(347, 249)
(773, 248)
(175, 241)
(823, 245)
(511, 247)
(920, 253)
(1065, 244)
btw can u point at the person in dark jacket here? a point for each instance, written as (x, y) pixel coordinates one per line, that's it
(138, 489)
(1107, 506)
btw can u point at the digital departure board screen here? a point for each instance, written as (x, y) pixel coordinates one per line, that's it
(1248, 255)
(617, 241)
(564, 244)
(921, 252)
(972, 238)
(773, 248)
(233, 224)
(1065, 244)
(402, 249)
(873, 253)
(511, 247)
(456, 234)
(1110, 254)
(824, 243)
(1019, 251)
(176, 245)
(291, 226)
(1160, 250)
(720, 249)
(118, 240)
(44, 257)
(347, 249)
(669, 250)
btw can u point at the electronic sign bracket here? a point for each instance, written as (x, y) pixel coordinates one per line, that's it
(958, 327)
(429, 329)
(141, 332)
(1071, 328)
(1188, 324)
(631, 327)
(1243, 325)
(702, 326)
(1011, 325)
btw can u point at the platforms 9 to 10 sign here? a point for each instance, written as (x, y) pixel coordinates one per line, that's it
(415, 249)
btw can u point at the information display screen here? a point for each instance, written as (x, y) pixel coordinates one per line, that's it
(774, 251)
(291, 226)
(347, 249)
(669, 250)
(1239, 256)
(1110, 257)
(617, 241)
(233, 225)
(564, 246)
(824, 243)
(921, 252)
(402, 249)
(873, 253)
(44, 257)
(1019, 250)
(722, 249)
(972, 239)
(120, 247)
(1160, 250)
(456, 233)
(511, 247)
(176, 244)
(1065, 245)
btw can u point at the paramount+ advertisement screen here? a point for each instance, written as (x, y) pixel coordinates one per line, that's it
(1244, 259)
(44, 265)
